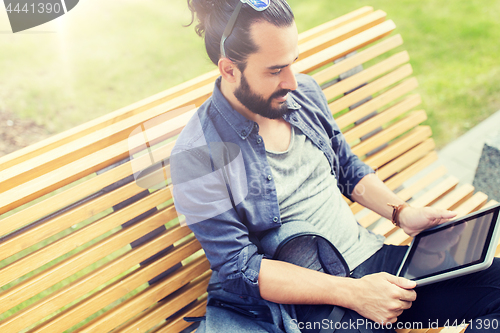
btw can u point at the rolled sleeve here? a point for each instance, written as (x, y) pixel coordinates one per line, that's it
(352, 169)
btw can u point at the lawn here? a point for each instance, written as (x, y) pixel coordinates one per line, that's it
(106, 54)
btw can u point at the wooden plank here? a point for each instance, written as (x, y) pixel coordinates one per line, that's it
(437, 192)
(427, 199)
(408, 122)
(348, 30)
(406, 159)
(397, 180)
(92, 143)
(456, 198)
(98, 277)
(398, 147)
(472, 204)
(360, 58)
(377, 102)
(72, 241)
(166, 308)
(64, 221)
(407, 193)
(412, 170)
(370, 89)
(334, 24)
(399, 236)
(151, 295)
(177, 323)
(46, 183)
(40, 282)
(88, 164)
(366, 75)
(341, 49)
(201, 82)
(382, 118)
(490, 203)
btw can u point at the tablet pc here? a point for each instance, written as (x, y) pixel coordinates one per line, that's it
(452, 249)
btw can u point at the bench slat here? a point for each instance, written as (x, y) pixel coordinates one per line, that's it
(366, 75)
(343, 48)
(370, 89)
(177, 323)
(340, 34)
(472, 204)
(407, 123)
(383, 118)
(62, 222)
(79, 261)
(456, 198)
(398, 179)
(398, 147)
(357, 59)
(100, 276)
(140, 302)
(334, 24)
(379, 101)
(407, 193)
(77, 238)
(408, 158)
(167, 307)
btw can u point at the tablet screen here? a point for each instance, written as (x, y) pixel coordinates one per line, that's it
(452, 247)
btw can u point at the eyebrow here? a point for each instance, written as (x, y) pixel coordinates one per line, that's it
(281, 66)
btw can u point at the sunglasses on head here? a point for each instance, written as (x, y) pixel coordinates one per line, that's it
(258, 5)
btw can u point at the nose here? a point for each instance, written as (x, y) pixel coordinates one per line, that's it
(289, 81)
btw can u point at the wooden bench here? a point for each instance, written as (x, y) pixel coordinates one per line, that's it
(84, 248)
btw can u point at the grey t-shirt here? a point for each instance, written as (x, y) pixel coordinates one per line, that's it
(307, 191)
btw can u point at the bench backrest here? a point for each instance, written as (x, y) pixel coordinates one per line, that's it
(83, 247)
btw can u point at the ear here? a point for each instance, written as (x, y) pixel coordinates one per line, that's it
(228, 70)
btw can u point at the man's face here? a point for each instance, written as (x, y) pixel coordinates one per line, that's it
(268, 77)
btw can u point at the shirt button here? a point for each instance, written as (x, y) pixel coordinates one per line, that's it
(269, 177)
(294, 118)
(259, 140)
(275, 219)
(243, 133)
(255, 125)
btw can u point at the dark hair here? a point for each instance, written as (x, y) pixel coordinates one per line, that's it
(213, 16)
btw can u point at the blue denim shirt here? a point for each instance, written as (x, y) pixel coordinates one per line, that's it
(224, 186)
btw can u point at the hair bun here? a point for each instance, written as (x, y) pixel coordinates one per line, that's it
(202, 9)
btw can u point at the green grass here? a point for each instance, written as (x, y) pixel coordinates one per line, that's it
(108, 54)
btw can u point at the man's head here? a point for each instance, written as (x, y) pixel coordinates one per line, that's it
(213, 16)
(259, 52)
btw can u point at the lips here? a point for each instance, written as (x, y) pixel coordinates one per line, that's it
(281, 96)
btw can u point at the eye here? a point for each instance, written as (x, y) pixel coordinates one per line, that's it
(276, 73)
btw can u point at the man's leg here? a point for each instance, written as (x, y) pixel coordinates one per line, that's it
(473, 299)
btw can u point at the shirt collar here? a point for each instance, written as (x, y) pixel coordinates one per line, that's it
(241, 125)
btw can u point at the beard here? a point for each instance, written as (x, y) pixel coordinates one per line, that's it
(257, 104)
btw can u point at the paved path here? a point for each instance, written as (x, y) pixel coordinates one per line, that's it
(462, 155)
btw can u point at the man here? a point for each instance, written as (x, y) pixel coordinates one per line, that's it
(264, 150)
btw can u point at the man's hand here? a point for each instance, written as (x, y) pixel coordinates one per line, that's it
(382, 297)
(413, 220)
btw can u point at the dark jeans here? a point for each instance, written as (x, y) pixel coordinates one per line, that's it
(472, 299)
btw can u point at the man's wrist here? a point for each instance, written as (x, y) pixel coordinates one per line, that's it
(397, 213)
